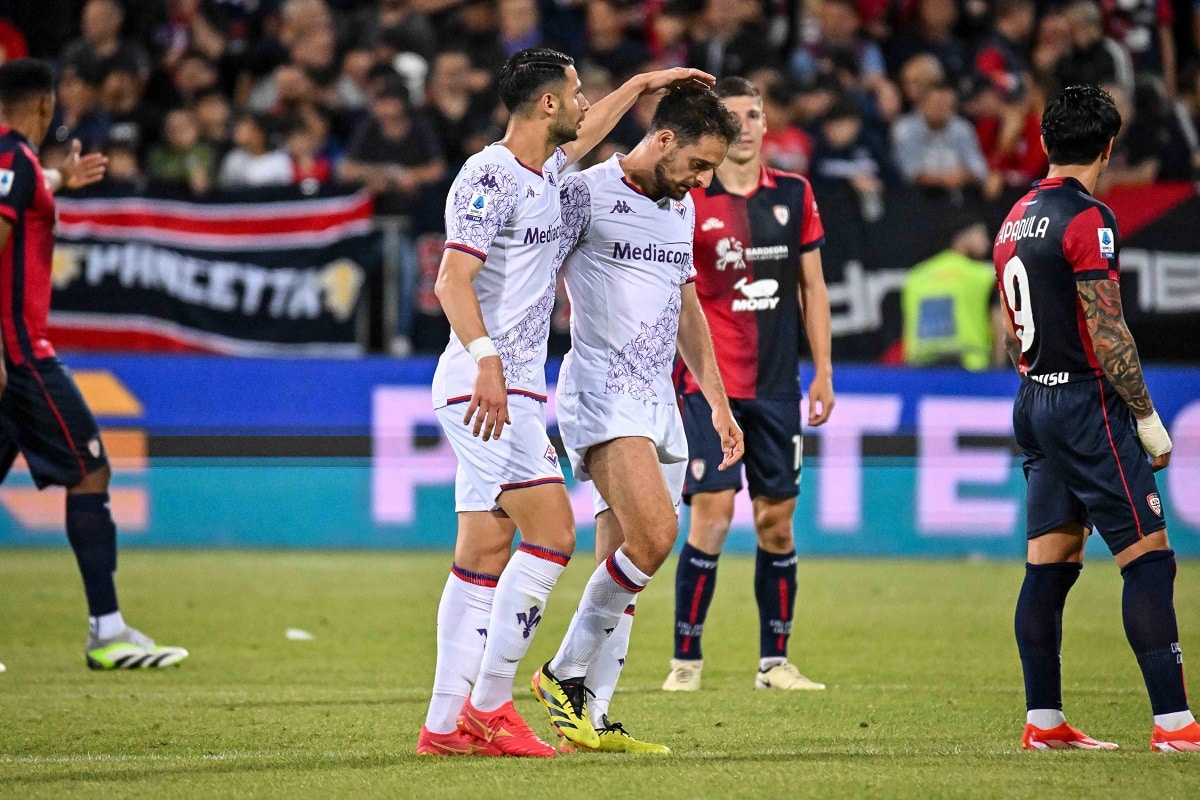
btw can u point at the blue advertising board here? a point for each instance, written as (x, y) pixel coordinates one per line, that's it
(222, 452)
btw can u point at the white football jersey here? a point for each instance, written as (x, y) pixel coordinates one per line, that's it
(631, 254)
(506, 213)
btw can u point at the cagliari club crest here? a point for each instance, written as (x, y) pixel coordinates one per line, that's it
(782, 214)
(1155, 503)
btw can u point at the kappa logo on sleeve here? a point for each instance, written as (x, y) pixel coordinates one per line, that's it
(1108, 243)
(6, 181)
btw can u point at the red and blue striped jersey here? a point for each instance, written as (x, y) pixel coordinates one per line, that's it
(27, 204)
(1055, 236)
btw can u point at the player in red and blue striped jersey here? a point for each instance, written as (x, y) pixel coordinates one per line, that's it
(1088, 429)
(759, 279)
(42, 414)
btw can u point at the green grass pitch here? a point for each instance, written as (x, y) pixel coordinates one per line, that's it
(924, 701)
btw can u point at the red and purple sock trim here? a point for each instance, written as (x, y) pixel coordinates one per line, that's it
(544, 553)
(476, 578)
(631, 609)
(619, 577)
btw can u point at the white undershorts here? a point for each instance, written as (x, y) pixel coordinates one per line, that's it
(587, 419)
(523, 455)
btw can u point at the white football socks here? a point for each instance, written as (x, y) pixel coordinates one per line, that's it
(1045, 718)
(1174, 721)
(463, 615)
(521, 596)
(605, 669)
(612, 587)
(106, 626)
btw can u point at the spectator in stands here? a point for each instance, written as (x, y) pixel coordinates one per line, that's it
(840, 29)
(1052, 43)
(669, 31)
(135, 122)
(933, 33)
(1010, 136)
(951, 316)
(12, 42)
(917, 75)
(394, 154)
(182, 159)
(520, 25)
(458, 113)
(844, 160)
(609, 42)
(213, 115)
(477, 32)
(397, 20)
(124, 168)
(937, 149)
(1004, 57)
(1144, 29)
(100, 46)
(1094, 58)
(194, 74)
(189, 27)
(310, 168)
(733, 42)
(254, 161)
(315, 52)
(1150, 146)
(79, 114)
(785, 146)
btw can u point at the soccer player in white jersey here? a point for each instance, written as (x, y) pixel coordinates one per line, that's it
(631, 222)
(496, 286)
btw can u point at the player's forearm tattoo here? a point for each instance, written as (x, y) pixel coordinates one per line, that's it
(1113, 343)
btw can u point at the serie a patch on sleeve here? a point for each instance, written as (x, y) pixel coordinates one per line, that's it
(1108, 243)
(6, 181)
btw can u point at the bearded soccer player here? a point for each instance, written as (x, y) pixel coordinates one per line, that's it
(496, 284)
(629, 224)
(1085, 422)
(758, 276)
(42, 414)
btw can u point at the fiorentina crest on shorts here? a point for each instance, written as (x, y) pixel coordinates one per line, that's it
(697, 468)
(782, 214)
(1155, 503)
(551, 455)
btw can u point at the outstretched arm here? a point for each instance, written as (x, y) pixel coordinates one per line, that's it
(77, 170)
(695, 345)
(814, 304)
(1117, 354)
(607, 112)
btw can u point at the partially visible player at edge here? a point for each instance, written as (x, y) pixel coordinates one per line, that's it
(42, 414)
(496, 285)
(758, 263)
(1089, 432)
(628, 224)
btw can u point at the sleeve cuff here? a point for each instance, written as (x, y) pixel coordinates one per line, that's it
(1096, 275)
(462, 248)
(816, 244)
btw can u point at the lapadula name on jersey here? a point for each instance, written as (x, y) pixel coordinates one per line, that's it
(1030, 227)
(626, 251)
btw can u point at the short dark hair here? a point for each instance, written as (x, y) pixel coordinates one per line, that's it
(1078, 124)
(736, 86)
(692, 111)
(527, 72)
(25, 79)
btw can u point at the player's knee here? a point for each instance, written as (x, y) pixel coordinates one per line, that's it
(95, 482)
(657, 545)
(708, 534)
(774, 527)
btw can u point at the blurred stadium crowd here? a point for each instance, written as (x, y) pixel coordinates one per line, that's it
(395, 94)
(860, 95)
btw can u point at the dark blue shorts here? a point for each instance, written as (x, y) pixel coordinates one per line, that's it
(773, 447)
(1084, 462)
(44, 417)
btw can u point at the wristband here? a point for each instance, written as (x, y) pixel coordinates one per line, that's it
(482, 348)
(1153, 435)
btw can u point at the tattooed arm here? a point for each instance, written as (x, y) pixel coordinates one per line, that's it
(1113, 343)
(1118, 357)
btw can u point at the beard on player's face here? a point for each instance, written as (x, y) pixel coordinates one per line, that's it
(664, 184)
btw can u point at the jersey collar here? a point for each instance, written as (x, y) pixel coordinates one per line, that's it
(765, 181)
(1054, 183)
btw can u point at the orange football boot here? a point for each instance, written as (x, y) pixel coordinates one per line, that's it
(503, 729)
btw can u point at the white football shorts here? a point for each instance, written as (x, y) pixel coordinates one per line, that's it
(523, 455)
(586, 419)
